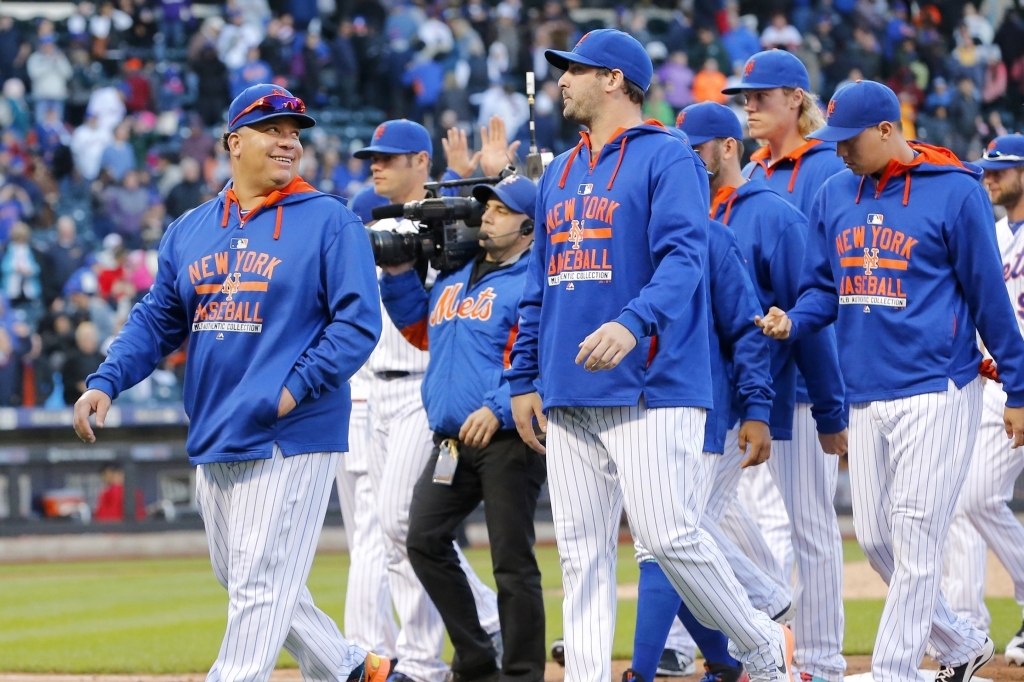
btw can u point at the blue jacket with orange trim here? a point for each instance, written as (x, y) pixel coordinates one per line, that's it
(740, 359)
(772, 236)
(621, 238)
(284, 297)
(909, 271)
(469, 331)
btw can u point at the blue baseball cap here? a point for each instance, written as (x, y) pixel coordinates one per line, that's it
(516, 191)
(82, 281)
(681, 134)
(709, 121)
(260, 102)
(1006, 151)
(610, 49)
(854, 108)
(398, 137)
(772, 69)
(364, 202)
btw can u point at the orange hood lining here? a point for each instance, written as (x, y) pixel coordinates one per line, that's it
(296, 186)
(724, 195)
(585, 142)
(926, 153)
(762, 155)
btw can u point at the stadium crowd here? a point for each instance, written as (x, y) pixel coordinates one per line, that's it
(110, 118)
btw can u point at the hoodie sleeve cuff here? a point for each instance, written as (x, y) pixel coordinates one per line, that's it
(829, 425)
(296, 386)
(633, 323)
(521, 386)
(104, 385)
(758, 413)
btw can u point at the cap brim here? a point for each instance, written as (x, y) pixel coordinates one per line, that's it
(484, 193)
(696, 140)
(995, 164)
(835, 133)
(737, 89)
(367, 152)
(560, 59)
(304, 120)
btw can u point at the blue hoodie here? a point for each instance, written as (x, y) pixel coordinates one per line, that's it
(797, 177)
(740, 359)
(637, 212)
(906, 270)
(283, 298)
(772, 236)
(469, 331)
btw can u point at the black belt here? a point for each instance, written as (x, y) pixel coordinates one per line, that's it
(388, 376)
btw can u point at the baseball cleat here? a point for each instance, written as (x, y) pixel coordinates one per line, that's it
(783, 671)
(964, 673)
(632, 676)
(808, 677)
(399, 677)
(719, 672)
(373, 669)
(558, 652)
(675, 664)
(1015, 649)
(785, 615)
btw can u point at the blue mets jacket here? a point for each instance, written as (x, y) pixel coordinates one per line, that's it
(909, 270)
(284, 297)
(623, 237)
(797, 177)
(740, 359)
(469, 331)
(772, 235)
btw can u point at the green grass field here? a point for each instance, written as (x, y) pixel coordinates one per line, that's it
(168, 616)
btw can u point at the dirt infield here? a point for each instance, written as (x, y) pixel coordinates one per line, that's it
(997, 671)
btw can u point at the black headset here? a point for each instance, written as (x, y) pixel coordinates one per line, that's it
(527, 226)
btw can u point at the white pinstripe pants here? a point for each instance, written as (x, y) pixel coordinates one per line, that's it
(263, 519)
(759, 524)
(369, 615)
(401, 444)
(982, 517)
(648, 461)
(908, 461)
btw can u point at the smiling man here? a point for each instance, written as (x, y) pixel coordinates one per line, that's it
(272, 283)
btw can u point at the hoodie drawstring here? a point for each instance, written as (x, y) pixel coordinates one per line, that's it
(860, 188)
(906, 189)
(568, 165)
(728, 209)
(277, 225)
(229, 196)
(622, 150)
(796, 169)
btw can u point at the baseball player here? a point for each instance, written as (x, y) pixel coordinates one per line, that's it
(273, 285)
(614, 318)
(369, 613)
(399, 435)
(982, 517)
(903, 258)
(782, 112)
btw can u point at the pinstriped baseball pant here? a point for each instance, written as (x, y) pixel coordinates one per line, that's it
(648, 461)
(263, 519)
(908, 461)
(759, 524)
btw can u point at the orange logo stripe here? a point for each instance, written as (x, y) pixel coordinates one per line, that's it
(596, 233)
(883, 263)
(242, 286)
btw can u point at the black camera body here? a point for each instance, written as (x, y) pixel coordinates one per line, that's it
(448, 235)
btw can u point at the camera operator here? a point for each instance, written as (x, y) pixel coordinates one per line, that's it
(469, 321)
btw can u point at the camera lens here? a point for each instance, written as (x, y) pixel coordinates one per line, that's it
(393, 248)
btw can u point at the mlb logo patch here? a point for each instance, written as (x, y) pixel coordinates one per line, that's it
(585, 189)
(239, 243)
(875, 218)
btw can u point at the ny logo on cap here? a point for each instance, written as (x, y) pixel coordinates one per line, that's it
(991, 145)
(379, 132)
(585, 36)
(680, 118)
(748, 68)
(831, 107)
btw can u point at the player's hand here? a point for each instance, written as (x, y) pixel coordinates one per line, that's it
(757, 435)
(91, 401)
(1013, 419)
(605, 348)
(479, 427)
(495, 151)
(456, 150)
(775, 324)
(835, 443)
(524, 408)
(400, 269)
(286, 404)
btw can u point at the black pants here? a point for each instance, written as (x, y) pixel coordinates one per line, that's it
(507, 475)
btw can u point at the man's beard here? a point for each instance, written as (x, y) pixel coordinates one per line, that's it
(714, 168)
(579, 114)
(1010, 198)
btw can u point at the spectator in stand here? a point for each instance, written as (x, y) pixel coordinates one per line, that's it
(506, 102)
(780, 34)
(272, 50)
(81, 301)
(50, 71)
(309, 67)
(51, 133)
(677, 78)
(964, 115)
(107, 29)
(81, 362)
(19, 272)
(426, 78)
(708, 83)
(213, 86)
(110, 504)
(119, 156)
(252, 72)
(88, 143)
(993, 90)
(967, 61)
(187, 194)
(14, 112)
(739, 40)
(175, 16)
(137, 87)
(708, 46)
(67, 251)
(15, 206)
(126, 204)
(197, 143)
(657, 108)
(978, 27)
(940, 96)
(897, 30)
(107, 105)
(235, 39)
(10, 46)
(345, 64)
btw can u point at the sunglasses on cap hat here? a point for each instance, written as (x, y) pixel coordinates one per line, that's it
(996, 155)
(273, 103)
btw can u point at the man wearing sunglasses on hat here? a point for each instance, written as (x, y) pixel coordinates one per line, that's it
(982, 517)
(274, 287)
